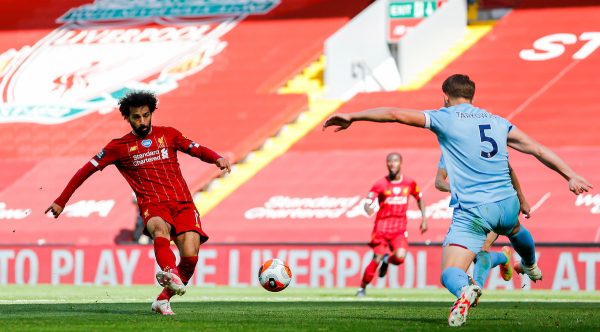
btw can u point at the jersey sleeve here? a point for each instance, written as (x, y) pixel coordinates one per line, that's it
(416, 191)
(509, 126)
(435, 119)
(77, 180)
(374, 192)
(108, 155)
(192, 148)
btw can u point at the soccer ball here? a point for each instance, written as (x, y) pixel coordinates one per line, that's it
(274, 275)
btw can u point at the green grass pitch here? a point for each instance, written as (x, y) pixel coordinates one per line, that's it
(91, 308)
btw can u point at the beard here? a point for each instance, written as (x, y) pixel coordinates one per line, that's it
(392, 175)
(142, 131)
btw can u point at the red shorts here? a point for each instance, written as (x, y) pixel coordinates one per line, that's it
(382, 242)
(182, 216)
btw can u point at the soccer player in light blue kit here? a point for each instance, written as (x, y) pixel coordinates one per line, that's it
(474, 146)
(486, 259)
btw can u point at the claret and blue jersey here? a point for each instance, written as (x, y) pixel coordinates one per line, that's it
(474, 151)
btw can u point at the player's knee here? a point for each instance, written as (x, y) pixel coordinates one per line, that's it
(158, 228)
(400, 254)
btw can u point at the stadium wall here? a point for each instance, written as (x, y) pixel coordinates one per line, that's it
(565, 268)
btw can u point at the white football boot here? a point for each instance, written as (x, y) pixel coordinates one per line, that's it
(533, 272)
(162, 307)
(361, 292)
(171, 280)
(460, 309)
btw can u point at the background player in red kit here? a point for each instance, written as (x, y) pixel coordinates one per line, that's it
(389, 231)
(147, 159)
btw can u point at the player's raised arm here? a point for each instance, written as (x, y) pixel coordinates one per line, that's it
(519, 141)
(76, 181)
(385, 114)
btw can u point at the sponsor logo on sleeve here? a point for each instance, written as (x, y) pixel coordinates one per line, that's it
(100, 154)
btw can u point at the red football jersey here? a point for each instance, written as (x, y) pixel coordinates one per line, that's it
(150, 164)
(393, 203)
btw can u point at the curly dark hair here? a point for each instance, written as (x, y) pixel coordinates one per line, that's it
(137, 99)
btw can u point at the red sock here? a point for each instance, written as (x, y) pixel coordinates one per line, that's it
(394, 260)
(163, 253)
(166, 294)
(369, 273)
(186, 268)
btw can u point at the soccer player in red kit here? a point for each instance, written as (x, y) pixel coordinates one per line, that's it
(147, 159)
(389, 231)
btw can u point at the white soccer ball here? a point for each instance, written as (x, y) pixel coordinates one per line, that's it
(274, 275)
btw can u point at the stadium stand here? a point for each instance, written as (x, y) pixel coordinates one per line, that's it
(304, 206)
(230, 106)
(547, 99)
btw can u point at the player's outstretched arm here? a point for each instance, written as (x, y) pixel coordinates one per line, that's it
(56, 210)
(205, 154)
(223, 164)
(385, 114)
(77, 180)
(519, 141)
(524, 204)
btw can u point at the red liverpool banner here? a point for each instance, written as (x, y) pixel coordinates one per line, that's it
(312, 266)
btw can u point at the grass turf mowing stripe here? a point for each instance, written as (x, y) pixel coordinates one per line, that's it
(125, 308)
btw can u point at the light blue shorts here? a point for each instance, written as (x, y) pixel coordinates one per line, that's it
(470, 227)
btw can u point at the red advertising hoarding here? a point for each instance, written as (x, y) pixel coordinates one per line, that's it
(312, 266)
